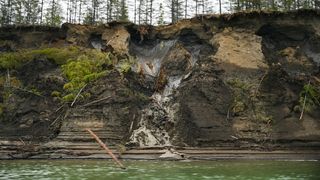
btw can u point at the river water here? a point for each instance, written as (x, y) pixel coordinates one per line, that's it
(103, 169)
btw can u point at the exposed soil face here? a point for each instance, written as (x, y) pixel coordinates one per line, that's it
(232, 81)
(30, 111)
(204, 100)
(294, 64)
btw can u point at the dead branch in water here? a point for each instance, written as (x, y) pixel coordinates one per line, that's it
(106, 148)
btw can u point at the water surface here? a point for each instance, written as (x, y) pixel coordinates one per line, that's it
(102, 169)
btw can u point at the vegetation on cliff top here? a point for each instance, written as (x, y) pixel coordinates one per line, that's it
(51, 12)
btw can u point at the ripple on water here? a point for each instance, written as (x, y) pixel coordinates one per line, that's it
(154, 170)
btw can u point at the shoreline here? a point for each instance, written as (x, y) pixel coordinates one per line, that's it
(196, 154)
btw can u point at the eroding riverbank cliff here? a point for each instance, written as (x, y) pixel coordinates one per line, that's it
(236, 81)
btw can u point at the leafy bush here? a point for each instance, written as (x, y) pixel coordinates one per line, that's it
(84, 69)
(13, 60)
(58, 55)
(69, 97)
(311, 96)
(124, 65)
(55, 94)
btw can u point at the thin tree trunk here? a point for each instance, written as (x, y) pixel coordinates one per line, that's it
(139, 12)
(172, 11)
(80, 8)
(41, 15)
(75, 11)
(186, 9)
(196, 7)
(9, 12)
(68, 9)
(135, 11)
(151, 10)
(110, 10)
(238, 5)
(146, 13)
(94, 11)
(52, 11)
(202, 7)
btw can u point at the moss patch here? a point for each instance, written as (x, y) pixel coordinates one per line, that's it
(241, 90)
(125, 63)
(86, 68)
(14, 60)
(246, 101)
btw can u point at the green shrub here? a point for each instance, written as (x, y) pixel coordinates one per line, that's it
(35, 91)
(69, 97)
(56, 94)
(58, 55)
(14, 60)
(238, 83)
(84, 69)
(312, 95)
(124, 65)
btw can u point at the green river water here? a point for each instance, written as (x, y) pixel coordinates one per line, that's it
(103, 169)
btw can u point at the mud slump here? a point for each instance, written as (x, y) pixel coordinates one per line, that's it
(166, 64)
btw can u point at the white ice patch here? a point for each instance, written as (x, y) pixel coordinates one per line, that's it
(149, 138)
(149, 60)
(314, 56)
(96, 45)
(144, 137)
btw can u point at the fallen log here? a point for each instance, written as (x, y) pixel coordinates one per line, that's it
(106, 148)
